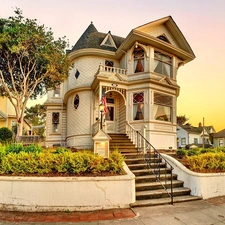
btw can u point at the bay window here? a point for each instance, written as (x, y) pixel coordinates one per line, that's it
(162, 107)
(162, 64)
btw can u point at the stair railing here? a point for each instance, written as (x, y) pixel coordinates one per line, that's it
(133, 135)
(153, 158)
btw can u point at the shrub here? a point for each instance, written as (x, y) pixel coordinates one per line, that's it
(14, 148)
(20, 162)
(181, 153)
(5, 135)
(207, 162)
(18, 147)
(192, 152)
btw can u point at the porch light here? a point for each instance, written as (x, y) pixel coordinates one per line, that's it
(101, 108)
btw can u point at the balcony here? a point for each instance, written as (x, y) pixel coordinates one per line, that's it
(111, 70)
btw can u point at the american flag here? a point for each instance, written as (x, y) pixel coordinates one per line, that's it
(103, 100)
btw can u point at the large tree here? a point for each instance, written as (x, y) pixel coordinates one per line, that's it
(31, 62)
(182, 119)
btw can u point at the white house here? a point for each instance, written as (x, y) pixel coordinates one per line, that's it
(219, 138)
(188, 135)
(136, 74)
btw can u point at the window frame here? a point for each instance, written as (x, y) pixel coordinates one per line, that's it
(221, 142)
(56, 93)
(139, 61)
(183, 141)
(163, 108)
(76, 97)
(138, 106)
(162, 63)
(55, 124)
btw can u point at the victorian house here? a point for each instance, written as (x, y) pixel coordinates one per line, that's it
(137, 76)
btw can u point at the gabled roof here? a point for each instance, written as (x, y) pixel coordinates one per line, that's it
(190, 129)
(91, 38)
(174, 42)
(172, 27)
(220, 134)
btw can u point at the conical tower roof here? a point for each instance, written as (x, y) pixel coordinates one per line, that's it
(91, 38)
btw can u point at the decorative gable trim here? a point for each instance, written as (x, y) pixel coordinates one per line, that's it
(108, 41)
(165, 80)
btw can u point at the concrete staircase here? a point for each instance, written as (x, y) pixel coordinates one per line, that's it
(148, 190)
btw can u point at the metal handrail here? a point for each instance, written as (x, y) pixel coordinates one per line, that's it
(153, 158)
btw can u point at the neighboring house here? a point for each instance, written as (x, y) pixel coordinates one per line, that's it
(138, 77)
(219, 139)
(8, 116)
(189, 135)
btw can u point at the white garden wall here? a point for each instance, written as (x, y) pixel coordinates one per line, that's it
(206, 185)
(66, 193)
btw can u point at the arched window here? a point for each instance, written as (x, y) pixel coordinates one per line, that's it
(76, 101)
(139, 57)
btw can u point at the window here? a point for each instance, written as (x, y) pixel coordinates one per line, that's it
(162, 107)
(109, 63)
(139, 56)
(76, 101)
(55, 122)
(110, 113)
(163, 38)
(183, 141)
(221, 143)
(138, 106)
(195, 140)
(57, 91)
(162, 64)
(109, 66)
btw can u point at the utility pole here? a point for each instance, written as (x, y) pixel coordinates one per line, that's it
(203, 135)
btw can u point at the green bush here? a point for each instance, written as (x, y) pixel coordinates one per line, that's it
(14, 148)
(18, 147)
(21, 162)
(192, 152)
(207, 162)
(5, 135)
(181, 152)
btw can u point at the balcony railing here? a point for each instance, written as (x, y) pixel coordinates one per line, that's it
(110, 69)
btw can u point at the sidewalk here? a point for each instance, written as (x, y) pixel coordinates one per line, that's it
(202, 212)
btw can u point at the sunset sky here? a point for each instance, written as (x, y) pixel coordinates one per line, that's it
(202, 22)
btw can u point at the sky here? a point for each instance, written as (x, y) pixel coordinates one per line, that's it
(202, 22)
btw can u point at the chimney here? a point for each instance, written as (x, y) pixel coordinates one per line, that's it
(200, 124)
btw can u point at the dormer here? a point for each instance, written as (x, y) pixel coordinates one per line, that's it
(108, 41)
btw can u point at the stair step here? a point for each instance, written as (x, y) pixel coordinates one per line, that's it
(152, 178)
(161, 193)
(148, 190)
(149, 172)
(164, 201)
(158, 185)
(139, 159)
(144, 166)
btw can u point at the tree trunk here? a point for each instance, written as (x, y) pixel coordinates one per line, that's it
(19, 129)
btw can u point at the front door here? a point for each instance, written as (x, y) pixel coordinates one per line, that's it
(110, 118)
